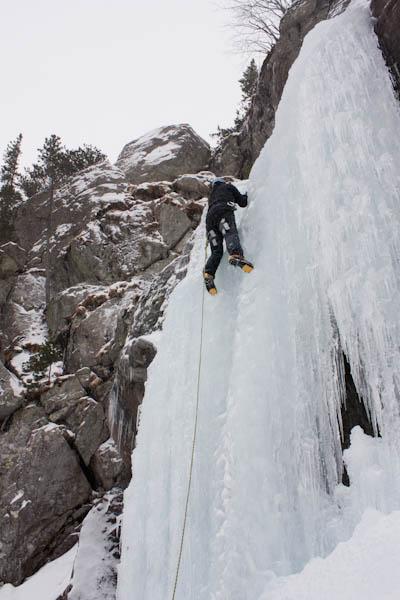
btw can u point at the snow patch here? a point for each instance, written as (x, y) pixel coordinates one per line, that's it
(162, 153)
(95, 567)
(17, 497)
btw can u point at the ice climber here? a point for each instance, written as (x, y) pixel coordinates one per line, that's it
(220, 225)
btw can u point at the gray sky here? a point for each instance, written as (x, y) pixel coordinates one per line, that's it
(104, 72)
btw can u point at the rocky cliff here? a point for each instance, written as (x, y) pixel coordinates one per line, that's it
(387, 13)
(91, 286)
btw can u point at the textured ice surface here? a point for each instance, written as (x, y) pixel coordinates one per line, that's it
(323, 229)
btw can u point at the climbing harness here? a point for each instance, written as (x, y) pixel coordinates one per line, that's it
(194, 436)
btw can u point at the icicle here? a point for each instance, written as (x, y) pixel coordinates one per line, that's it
(323, 229)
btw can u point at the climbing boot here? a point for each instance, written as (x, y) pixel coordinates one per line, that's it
(239, 261)
(209, 283)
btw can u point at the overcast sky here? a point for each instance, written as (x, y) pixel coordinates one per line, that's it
(103, 72)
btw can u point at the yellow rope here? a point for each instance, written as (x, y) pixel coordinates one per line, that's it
(194, 440)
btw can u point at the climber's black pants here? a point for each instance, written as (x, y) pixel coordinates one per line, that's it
(225, 227)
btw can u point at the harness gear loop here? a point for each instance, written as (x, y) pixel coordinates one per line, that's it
(194, 435)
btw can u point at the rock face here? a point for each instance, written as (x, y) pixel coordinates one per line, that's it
(108, 467)
(23, 310)
(240, 150)
(128, 392)
(42, 487)
(12, 259)
(387, 13)
(10, 393)
(164, 153)
(67, 403)
(96, 287)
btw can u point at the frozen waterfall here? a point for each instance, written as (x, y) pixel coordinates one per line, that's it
(323, 229)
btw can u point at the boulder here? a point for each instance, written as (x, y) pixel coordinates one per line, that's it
(107, 466)
(194, 186)
(152, 191)
(164, 154)
(42, 486)
(141, 353)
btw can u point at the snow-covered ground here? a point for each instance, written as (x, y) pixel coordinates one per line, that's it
(364, 568)
(323, 229)
(89, 567)
(48, 583)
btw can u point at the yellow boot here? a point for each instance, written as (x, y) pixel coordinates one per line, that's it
(239, 261)
(209, 283)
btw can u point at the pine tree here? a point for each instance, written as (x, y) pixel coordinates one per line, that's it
(51, 157)
(248, 82)
(81, 158)
(9, 194)
(248, 85)
(42, 360)
(48, 170)
(9, 172)
(56, 163)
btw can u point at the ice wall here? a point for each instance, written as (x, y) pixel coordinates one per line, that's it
(323, 230)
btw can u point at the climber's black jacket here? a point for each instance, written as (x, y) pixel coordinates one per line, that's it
(223, 198)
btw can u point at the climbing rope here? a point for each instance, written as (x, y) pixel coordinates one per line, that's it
(194, 436)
